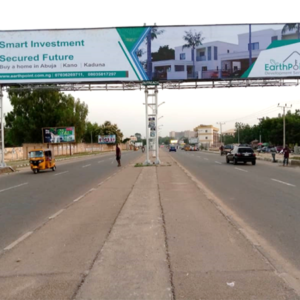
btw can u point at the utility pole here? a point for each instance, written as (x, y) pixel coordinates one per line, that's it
(92, 140)
(220, 123)
(259, 130)
(2, 149)
(283, 108)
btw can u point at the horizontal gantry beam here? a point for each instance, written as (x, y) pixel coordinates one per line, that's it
(131, 86)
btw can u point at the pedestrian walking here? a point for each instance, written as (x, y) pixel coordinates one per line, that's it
(118, 155)
(286, 155)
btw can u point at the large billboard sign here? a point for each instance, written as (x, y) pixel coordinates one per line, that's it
(193, 141)
(56, 135)
(170, 53)
(107, 139)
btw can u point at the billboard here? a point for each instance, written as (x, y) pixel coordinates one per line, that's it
(185, 53)
(193, 141)
(173, 141)
(107, 139)
(55, 135)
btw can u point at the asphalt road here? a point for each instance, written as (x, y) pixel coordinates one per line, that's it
(266, 196)
(28, 200)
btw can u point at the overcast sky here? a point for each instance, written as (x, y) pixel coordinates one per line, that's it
(183, 109)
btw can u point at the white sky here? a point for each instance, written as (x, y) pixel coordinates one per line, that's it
(184, 109)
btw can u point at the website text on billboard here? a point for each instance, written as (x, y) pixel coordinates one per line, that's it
(176, 53)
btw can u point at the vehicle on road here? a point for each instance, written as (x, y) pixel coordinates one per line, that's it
(172, 148)
(41, 159)
(241, 154)
(194, 148)
(227, 149)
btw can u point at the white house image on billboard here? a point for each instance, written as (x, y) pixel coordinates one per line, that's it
(216, 59)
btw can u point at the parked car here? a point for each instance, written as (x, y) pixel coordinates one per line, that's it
(279, 148)
(172, 148)
(241, 154)
(194, 148)
(264, 150)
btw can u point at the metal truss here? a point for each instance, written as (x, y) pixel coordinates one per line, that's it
(172, 85)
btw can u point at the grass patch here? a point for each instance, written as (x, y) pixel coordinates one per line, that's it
(138, 165)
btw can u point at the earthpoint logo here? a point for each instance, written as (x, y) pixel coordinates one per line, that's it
(291, 63)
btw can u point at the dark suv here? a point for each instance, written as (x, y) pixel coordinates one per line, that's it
(241, 154)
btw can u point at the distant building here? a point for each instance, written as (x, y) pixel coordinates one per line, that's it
(182, 134)
(230, 132)
(189, 134)
(208, 135)
(172, 134)
(133, 138)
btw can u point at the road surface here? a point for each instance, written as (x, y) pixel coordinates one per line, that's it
(266, 196)
(28, 200)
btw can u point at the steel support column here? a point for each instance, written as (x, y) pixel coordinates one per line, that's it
(2, 148)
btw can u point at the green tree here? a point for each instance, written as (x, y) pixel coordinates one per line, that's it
(193, 40)
(91, 132)
(107, 128)
(163, 53)
(291, 26)
(33, 110)
(152, 35)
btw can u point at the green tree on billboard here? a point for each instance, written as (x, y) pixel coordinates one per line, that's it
(33, 110)
(152, 35)
(193, 40)
(163, 53)
(291, 26)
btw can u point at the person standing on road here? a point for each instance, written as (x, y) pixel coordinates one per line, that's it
(286, 155)
(118, 155)
(273, 152)
(221, 149)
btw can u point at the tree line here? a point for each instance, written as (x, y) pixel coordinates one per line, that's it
(269, 129)
(33, 110)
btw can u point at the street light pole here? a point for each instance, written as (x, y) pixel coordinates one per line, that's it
(259, 130)
(283, 108)
(220, 123)
(2, 163)
(92, 140)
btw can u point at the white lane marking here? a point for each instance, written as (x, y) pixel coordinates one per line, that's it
(61, 173)
(101, 161)
(13, 187)
(286, 183)
(100, 183)
(241, 170)
(108, 177)
(56, 214)
(112, 162)
(86, 166)
(19, 240)
(78, 198)
(217, 162)
(91, 190)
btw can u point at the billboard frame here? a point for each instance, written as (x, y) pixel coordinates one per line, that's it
(160, 82)
(60, 142)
